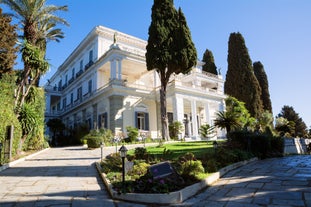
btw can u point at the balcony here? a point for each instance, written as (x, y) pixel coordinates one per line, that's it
(88, 65)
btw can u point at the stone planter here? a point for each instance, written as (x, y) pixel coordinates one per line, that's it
(172, 197)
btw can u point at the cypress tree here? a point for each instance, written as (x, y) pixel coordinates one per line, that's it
(209, 65)
(170, 48)
(241, 82)
(264, 85)
(8, 49)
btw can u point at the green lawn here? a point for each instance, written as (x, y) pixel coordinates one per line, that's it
(174, 150)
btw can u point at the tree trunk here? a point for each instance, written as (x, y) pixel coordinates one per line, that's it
(164, 120)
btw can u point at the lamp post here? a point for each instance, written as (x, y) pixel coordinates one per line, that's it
(143, 136)
(123, 151)
(215, 146)
(101, 150)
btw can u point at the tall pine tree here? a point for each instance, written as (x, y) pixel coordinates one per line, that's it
(170, 48)
(264, 85)
(8, 49)
(209, 65)
(241, 82)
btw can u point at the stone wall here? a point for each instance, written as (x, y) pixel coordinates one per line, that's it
(296, 145)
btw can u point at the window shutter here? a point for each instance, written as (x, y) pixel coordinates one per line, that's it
(146, 121)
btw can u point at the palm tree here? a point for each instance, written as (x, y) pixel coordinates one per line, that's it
(34, 15)
(227, 120)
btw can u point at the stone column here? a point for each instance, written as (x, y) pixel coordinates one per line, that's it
(119, 72)
(178, 108)
(194, 118)
(115, 116)
(207, 114)
(95, 115)
(113, 69)
(48, 103)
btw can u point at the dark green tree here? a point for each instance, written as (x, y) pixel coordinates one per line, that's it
(241, 82)
(56, 126)
(290, 114)
(169, 50)
(264, 85)
(209, 65)
(8, 48)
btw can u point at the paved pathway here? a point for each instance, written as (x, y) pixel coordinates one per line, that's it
(282, 182)
(66, 177)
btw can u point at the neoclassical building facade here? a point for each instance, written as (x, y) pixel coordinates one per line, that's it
(104, 83)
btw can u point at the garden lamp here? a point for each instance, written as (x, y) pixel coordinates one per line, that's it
(101, 150)
(123, 151)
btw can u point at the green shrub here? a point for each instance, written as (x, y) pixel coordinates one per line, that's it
(94, 142)
(112, 163)
(132, 133)
(192, 168)
(7, 115)
(140, 153)
(189, 166)
(211, 165)
(175, 128)
(138, 170)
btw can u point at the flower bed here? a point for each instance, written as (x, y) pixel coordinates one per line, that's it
(171, 197)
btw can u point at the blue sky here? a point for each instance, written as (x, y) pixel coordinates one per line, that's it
(277, 33)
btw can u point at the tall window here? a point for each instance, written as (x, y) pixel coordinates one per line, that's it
(81, 64)
(64, 103)
(71, 98)
(142, 120)
(90, 86)
(79, 93)
(91, 56)
(73, 73)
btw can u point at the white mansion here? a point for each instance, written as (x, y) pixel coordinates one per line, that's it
(105, 83)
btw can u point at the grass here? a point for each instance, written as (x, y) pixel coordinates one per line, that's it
(173, 150)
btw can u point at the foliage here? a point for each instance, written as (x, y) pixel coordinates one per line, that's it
(211, 165)
(8, 39)
(112, 163)
(209, 65)
(265, 121)
(7, 116)
(140, 153)
(175, 129)
(96, 137)
(55, 125)
(138, 170)
(132, 133)
(261, 76)
(241, 82)
(227, 120)
(190, 166)
(300, 128)
(284, 127)
(37, 21)
(261, 145)
(33, 113)
(169, 49)
(187, 169)
(206, 131)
